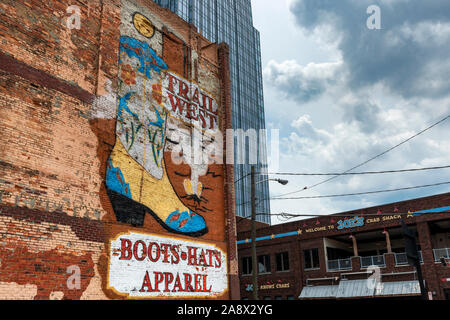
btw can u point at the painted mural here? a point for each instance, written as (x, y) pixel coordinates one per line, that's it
(161, 171)
(154, 106)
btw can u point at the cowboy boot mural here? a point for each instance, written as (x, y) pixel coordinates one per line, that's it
(137, 179)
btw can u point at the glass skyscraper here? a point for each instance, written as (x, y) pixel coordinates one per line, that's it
(231, 21)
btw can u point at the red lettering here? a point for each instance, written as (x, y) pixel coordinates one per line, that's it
(183, 90)
(210, 255)
(187, 283)
(191, 111)
(168, 279)
(159, 277)
(146, 284)
(195, 97)
(165, 250)
(201, 117)
(144, 250)
(218, 260)
(171, 77)
(177, 104)
(177, 284)
(197, 281)
(150, 250)
(192, 256)
(205, 284)
(191, 103)
(208, 106)
(175, 256)
(212, 119)
(202, 259)
(204, 101)
(125, 251)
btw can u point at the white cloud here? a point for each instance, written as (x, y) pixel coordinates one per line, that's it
(302, 83)
(358, 93)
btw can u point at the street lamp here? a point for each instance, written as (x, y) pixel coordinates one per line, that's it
(281, 181)
(253, 229)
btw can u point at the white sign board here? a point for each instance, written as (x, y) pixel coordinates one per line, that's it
(147, 266)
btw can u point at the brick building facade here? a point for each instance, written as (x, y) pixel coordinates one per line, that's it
(330, 257)
(94, 101)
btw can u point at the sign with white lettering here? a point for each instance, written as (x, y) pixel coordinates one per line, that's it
(146, 266)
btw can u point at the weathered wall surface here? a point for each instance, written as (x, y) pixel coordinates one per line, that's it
(93, 202)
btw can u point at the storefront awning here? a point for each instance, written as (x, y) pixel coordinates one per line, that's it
(399, 288)
(354, 289)
(360, 289)
(319, 292)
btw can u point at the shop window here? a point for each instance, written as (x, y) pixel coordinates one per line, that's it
(311, 257)
(264, 264)
(290, 298)
(278, 298)
(247, 265)
(267, 298)
(282, 261)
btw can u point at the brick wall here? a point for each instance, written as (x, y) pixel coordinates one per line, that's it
(60, 124)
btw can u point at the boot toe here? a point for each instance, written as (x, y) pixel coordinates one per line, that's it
(186, 222)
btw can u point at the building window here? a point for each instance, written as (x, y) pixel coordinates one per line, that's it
(278, 298)
(290, 298)
(264, 264)
(282, 261)
(311, 258)
(246, 265)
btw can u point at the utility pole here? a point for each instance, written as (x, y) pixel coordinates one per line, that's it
(413, 256)
(253, 235)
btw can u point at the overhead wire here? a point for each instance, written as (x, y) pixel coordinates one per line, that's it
(369, 160)
(358, 173)
(364, 193)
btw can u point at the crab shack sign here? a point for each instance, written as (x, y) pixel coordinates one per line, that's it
(149, 266)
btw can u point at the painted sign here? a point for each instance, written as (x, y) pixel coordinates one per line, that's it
(146, 266)
(189, 103)
(153, 179)
(269, 286)
(350, 223)
(275, 286)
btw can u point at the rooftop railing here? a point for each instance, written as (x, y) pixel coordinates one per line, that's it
(401, 259)
(339, 264)
(373, 261)
(441, 253)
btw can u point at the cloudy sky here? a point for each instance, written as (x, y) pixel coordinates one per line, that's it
(341, 93)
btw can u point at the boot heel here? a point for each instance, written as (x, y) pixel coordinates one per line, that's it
(127, 211)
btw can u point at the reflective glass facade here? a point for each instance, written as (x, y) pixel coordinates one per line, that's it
(231, 21)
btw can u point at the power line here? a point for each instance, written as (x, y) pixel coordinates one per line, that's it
(363, 193)
(294, 215)
(357, 173)
(354, 194)
(371, 159)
